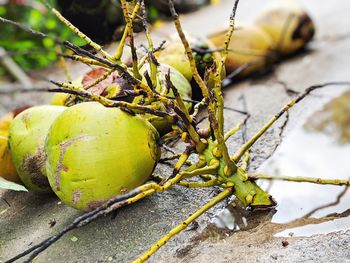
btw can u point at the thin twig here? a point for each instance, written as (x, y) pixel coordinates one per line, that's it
(300, 179)
(78, 222)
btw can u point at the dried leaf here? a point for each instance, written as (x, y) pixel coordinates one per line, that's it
(94, 74)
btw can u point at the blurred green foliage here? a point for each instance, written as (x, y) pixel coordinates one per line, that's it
(28, 51)
(31, 52)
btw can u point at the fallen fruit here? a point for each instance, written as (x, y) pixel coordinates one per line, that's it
(175, 56)
(27, 135)
(249, 46)
(287, 23)
(95, 153)
(7, 168)
(5, 122)
(182, 85)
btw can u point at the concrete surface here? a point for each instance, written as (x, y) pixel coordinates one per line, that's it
(25, 217)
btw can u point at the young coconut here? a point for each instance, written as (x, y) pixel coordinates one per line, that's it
(249, 46)
(5, 122)
(95, 153)
(27, 136)
(287, 23)
(175, 56)
(7, 167)
(181, 84)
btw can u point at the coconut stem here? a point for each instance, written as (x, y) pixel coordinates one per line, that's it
(227, 192)
(120, 48)
(110, 103)
(185, 116)
(151, 58)
(300, 179)
(62, 64)
(130, 33)
(100, 79)
(235, 128)
(219, 129)
(188, 50)
(87, 61)
(204, 88)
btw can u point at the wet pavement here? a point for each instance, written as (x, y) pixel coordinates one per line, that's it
(307, 225)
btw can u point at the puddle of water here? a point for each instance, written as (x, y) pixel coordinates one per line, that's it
(236, 218)
(320, 148)
(225, 220)
(308, 155)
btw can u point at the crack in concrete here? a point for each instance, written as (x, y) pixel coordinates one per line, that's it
(280, 135)
(288, 90)
(290, 93)
(3, 199)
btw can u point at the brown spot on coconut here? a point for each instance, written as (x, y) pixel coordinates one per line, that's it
(76, 197)
(34, 164)
(60, 166)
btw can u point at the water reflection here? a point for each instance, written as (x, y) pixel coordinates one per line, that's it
(308, 154)
(320, 148)
(235, 218)
(334, 119)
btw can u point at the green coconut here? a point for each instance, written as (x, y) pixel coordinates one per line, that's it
(27, 135)
(174, 54)
(181, 84)
(95, 153)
